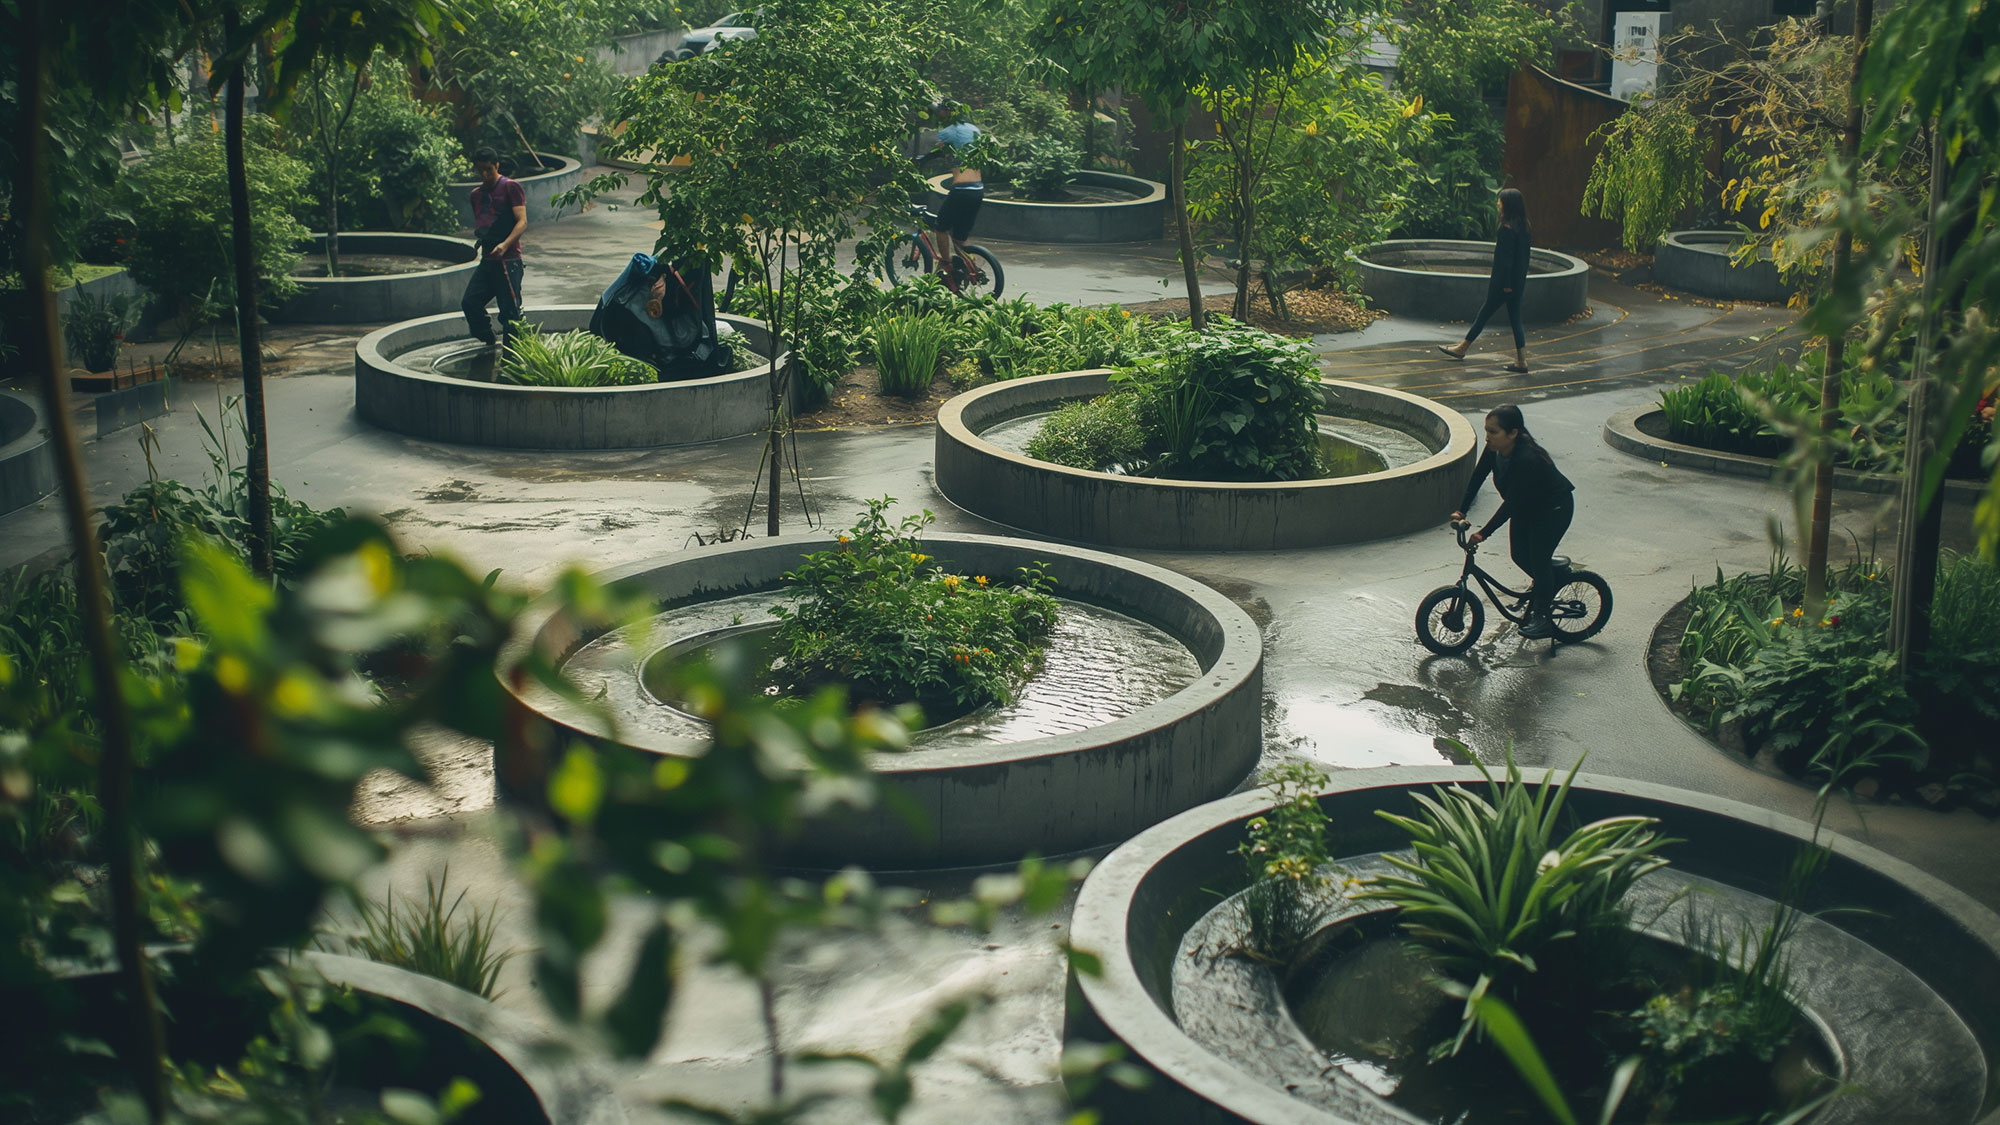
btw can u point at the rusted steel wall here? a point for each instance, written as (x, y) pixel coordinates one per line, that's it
(1549, 154)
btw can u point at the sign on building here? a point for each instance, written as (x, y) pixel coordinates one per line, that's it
(1635, 52)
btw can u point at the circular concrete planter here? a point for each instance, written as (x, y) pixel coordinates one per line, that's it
(1137, 512)
(1390, 284)
(988, 803)
(424, 404)
(1139, 219)
(378, 300)
(27, 466)
(1698, 261)
(1915, 947)
(1626, 432)
(561, 1088)
(559, 174)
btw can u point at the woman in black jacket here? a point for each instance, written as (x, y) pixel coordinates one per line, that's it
(1509, 280)
(1535, 495)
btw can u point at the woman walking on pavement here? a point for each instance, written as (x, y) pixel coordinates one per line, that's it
(1535, 495)
(1509, 280)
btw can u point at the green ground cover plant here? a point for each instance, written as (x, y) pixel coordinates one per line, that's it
(1092, 433)
(95, 330)
(570, 359)
(1824, 695)
(870, 614)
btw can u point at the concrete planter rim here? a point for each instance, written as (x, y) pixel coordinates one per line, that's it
(577, 1091)
(1362, 255)
(1622, 433)
(317, 239)
(1101, 920)
(1702, 241)
(370, 350)
(27, 463)
(1240, 656)
(33, 437)
(1144, 191)
(564, 166)
(951, 417)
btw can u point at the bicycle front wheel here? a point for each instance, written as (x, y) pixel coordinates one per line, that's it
(907, 257)
(1580, 608)
(1449, 619)
(982, 277)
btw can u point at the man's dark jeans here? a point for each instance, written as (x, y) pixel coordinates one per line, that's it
(487, 284)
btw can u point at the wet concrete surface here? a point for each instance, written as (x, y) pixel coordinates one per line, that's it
(1346, 683)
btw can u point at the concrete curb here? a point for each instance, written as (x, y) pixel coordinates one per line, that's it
(378, 300)
(540, 188)
(570, 1090)
(1137, 512)
(27, 465)
(1622, 433)
(1132, 220)
(1423, 295)
(988, 804)
(1698, 261)
(424, 404)
(1142, 899)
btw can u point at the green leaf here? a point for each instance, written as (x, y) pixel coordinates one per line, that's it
(636, 1019)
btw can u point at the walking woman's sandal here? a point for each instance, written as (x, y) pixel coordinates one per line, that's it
(1517, 369)
(1447, 350)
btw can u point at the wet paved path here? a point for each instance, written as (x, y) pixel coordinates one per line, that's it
(1346, 684)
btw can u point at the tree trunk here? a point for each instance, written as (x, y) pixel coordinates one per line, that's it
(1179, 177)
(775, 450)
(333, 220)
(249, 340)
(1913, 582)
(1820, 525)
(146, 1052)
(1246, 225)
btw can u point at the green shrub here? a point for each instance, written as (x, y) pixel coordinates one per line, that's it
(179, 202)
(1040, 167)
(742, 356)
(963, 375)
(570, 359)
(410, 156)
(430, 939)
(1092, 434)
(1492, 895)
(95, 329)
(907, 352)
(1232, 403)
(870, 616)
(1757, 413)
(1825, 694)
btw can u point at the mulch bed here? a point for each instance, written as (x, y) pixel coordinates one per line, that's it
(1313, 311)
(858, 404)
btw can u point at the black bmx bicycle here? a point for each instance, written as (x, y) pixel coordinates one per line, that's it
(1450, 618)
(974, 272)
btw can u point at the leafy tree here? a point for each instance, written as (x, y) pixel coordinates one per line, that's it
(1453, 51)
(1305, 165)
(530, 69)
(179, 202)
(380, 159)
(791, 137)
(1648, 172)
(1165, 54)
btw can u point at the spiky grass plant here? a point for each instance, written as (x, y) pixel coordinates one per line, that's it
(570, 359)
(1492, 892)
(907, 351)
(429, 938)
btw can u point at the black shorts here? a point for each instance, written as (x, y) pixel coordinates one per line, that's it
(960, 207)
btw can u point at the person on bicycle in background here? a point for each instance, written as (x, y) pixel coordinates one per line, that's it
(1535, 495)
(953, 224)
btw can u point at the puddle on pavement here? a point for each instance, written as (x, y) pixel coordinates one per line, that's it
(1364, 735)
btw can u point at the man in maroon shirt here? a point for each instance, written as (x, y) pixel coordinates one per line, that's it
(499, 216)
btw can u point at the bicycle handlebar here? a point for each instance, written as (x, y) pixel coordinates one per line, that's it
(1459, 528)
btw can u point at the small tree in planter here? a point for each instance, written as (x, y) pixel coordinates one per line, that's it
(790, 138)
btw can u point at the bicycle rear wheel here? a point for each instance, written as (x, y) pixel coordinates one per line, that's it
(908, 257)
(1580, 608)
(987, 278)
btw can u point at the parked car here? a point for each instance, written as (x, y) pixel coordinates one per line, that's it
(735, 25)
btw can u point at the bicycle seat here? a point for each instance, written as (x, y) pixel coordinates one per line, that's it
(1559, 562)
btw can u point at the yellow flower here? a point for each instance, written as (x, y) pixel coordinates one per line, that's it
(981, 579)
(1312, 128)
(1777, 621)
(951, 581)
(918, 557)
(1800, 612)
